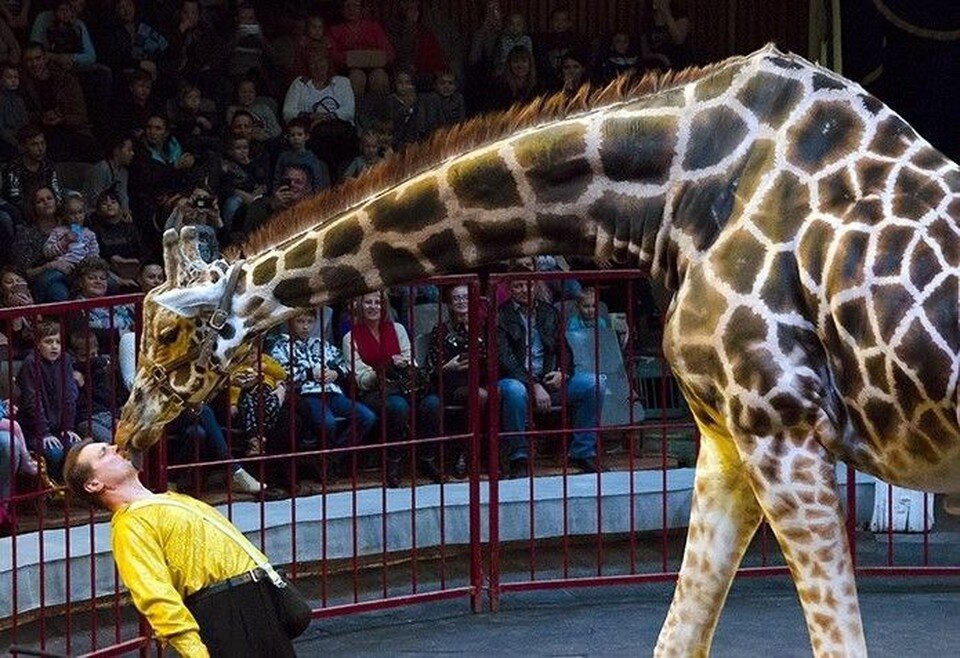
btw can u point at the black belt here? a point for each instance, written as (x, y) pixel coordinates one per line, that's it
(252, 576)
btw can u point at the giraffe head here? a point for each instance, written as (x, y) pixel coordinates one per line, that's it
(189, 340)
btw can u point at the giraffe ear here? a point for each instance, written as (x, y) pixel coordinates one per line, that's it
(193, 300)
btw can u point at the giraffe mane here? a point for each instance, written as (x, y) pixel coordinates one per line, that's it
(456, 140)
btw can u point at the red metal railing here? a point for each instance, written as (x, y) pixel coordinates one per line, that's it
(356, 545)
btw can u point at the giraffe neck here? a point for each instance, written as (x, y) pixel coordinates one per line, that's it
(612, 184)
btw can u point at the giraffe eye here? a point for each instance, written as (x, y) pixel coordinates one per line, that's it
(168, 336)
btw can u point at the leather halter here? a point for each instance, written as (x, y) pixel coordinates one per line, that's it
(203, 349)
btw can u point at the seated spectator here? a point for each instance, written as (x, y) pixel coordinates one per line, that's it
(118, 238)
(261, 109)
(295, 186)
(151, 275)
(13, 110)
(241, 183)
(408, 112)
(514, 35)
(258, 392)
(327, 102)
(65, 37)
(128, 44)
(416, 46)
(313, 40)
(378, 353)
(530, 342)
(517, 84)
(72, 241)
(586, 315)
(371, 152)
(200, 210)
(32, 169)
(48, 398)
(90, 280)
(449, 360)
(297, 154)
(16, 14)
(55, 101)
(135, 104)
(664, 42)
(249, 52)
(193, 120)
(243, 125)
(482, 56)
(445, 104)
(19, 334)
(48, 277)
(196, 54)
(15, 460)
(9, 46)
(552, 45)
(161, 169)
(361, 47)
(574, 68)
(112, 173)
(98, 387)
(620, 56)
(319, 373)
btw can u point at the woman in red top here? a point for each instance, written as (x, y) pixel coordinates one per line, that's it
(361, 47)
(378, 352)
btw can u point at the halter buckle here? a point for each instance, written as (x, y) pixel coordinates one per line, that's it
(218, 318)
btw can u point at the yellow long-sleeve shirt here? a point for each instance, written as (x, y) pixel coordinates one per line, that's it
(165, 553)
(273, 372)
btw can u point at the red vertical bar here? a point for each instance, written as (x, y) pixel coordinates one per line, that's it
(632, 432)
(476, 546)
(493, 454)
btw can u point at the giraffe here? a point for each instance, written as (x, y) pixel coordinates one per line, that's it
(808, 235)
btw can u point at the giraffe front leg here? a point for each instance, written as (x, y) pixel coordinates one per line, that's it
(724, 516)
(795, 482)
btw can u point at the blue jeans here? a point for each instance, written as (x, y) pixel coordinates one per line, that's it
(50, 286)
(203, 429)
(324, 409)
(581, 398)
(228, 211)
(54, 456)
(396, 420)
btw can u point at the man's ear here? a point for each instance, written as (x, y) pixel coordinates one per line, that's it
(93, 486)
(190, 302)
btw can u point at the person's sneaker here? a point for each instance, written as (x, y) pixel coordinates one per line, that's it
(585, 464)
(243, 482)
(519, 468)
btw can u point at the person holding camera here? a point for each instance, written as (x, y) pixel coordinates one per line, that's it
(295, 184)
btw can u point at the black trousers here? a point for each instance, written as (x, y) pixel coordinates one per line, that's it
(242, 621)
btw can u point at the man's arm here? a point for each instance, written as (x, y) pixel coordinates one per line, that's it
(143, 569)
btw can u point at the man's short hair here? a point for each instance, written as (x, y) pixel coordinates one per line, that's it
(298, 122)
(45, 329)
(76, 475)
(242, 113)
(28, 132)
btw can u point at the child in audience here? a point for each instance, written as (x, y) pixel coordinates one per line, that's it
(445, 102)
(90, 279)
(371, 152)
(242, 181)
(48, 397)
(514, 34)
(118, 237)
(193, 121)
(297, 154)
(151, 275)
(72, 240)
(266, 126)
(99, 394)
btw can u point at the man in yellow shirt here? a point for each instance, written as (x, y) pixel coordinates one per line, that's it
(191, 573)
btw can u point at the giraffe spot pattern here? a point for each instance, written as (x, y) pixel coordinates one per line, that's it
(265, 272)
(737, 260)
(829, 131)
(301, 255)
(443, 251)
(484, 182)
(554, 164)
(494, 239)
(932, 365)
(872, 175)
(638, 149)
(770, 97)
(847, 268)
(714, 134)
(715, 85)
(702, 209)
(821, 81)
(782, 293)
(941, 310)
(871, 104)
(892, 245)
(753, 365)
(915, 194)
(890, 302)
(924, 266)
(293, 292)
(837, 193)
(412, 208)
(785, 207)
(892, 137)
(929, 158)
(854, 317)
(342, 281)
(396, 264)
(343, 238)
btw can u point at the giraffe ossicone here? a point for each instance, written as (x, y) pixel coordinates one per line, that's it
(811, 240)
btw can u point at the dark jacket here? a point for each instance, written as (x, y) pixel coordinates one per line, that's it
(98, 394)
(48, 397)
(512, 340)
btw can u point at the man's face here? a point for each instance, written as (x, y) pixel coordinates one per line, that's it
(242, 126)
(108, 468)
(108, 207)
(140, 89)
(125, 153)
(445, 85)
(155, 131)
(240, 151)
(298, 183)
(125, 10)
(35, 62)
(519, 291)
(49, 347)
(35, 147)
(11, 79)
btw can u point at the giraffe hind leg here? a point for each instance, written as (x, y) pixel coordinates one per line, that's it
(724, 516)
(795, 484)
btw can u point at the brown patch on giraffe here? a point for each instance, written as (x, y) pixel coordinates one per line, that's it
(876, 369)
(342, 280)
(929, 158)
(702, 209)
(872, 175)
(485, 182)
(940, 308)
(343, 238)
(638, 149)
(265, 271)
(413, 207)
(706, 362)
(715, 85)
(920, 447)
(496, 237)
(737, 260)
(293, 292)
(866, 211)
(301, 255)
(396, 264)
(846, 270)
(562, 229)
(822, 81)
(909, 394)
(631, 219)
(881, 415)
(443, 251)
(829, 131)
(754, 367)
(942, 233)
(555, 164)
(914, 194)
(854, 317)
(931, 364)
(871, 104)
(715, 133)
(782, 292)
(791, 411)
(784, 208)
(892, 137)
(837, 193)
(892, 245)
(795, 534)
(924, 265)
(770, 97)
(812, 250)
(937, 429)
